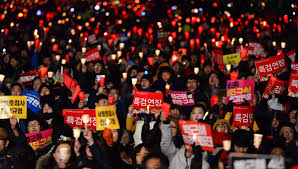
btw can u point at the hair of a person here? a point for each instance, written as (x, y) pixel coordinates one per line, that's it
(164, 162)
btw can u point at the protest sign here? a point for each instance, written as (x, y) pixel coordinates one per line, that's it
(273, 65)
(292, 55)
(269, 90)
(280, 86)
(217, 55)
(13, 105)
(182, 98)
(197, 132)
(142, 99)
(259, 161)
(33, 100)
(242, 116)
(238, 90)
(39, 139)
(106, 117)
(93, 55)
(73, 117)
(27, 77)
(293, 85)
(258, 49)
(294, 67)
(232, 59)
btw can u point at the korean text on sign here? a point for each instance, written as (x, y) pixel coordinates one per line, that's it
(182, 98)
(73, 117)
(93, 55)
(106, 117)
(142, 99)
(232, 59)
(200, 133)
(33, 100)
(293, 85)
(269, 66)
(240, 90)
(242, 116)
(13, 105)
(27, 77)
(40, 139)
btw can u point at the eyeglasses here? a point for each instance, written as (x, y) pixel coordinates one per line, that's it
(33, 125)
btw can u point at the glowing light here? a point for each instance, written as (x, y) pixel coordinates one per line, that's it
(72, 9)
(96, 7)
(38, 12)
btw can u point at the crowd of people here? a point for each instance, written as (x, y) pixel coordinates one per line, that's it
(160, 43)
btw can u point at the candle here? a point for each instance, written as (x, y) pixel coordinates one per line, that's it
(85, 119)
(2, 78)
(226, 145)
(121, 46)
(124, 75)
(113, 57)
(240, 40)
(134, 81)
(273, 43)
(167, 89)
(83, 61)
(206, 114)
(119, 53)
(194, 138)
(196, 70)
(283, 45)
(57, 58)
(141, 54)
(157, 52)
(228, 67)
(257, 140)
(148, 112)
(76, 132)
(63, 62)
(84, 49)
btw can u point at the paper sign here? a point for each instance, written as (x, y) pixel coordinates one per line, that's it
(269, 90)
(294, 68)
(258, 49)
(40, 139)
(27, 77)
(218, 58)
(238, 90)
(142, 99)
(292, 55)
(293, 85)
(242, 116)
(106, 117)
(165, 107)
(13, 105)
(231, 59)
(33, 100)
(197, 132)
(93, 55)
(162, 36)
(73, 117)
(269, 66)
(259, 161)
(182, 98)
(280, 86)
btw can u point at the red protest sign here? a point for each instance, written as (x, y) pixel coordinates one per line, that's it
(242, 116)
(73, 117)
(182, 98)
(197, 132)
(27, 77)
(293, 85)
(93, 55)
(269, 90)
(39, 139)
(294, 67)
(292, 55)
(238, 90)
(142, 99)
(217, 56)
(280, 86)
(258, 49)
(166, 108)
(269, 66)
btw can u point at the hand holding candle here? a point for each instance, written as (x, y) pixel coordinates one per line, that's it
(76, 132)
(257, 140)
(85, 119)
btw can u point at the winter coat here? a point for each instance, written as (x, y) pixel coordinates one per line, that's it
(176, 156)
(47, 162)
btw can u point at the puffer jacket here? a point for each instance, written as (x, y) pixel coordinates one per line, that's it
(176, 156)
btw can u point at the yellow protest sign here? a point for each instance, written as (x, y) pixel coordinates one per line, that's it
(106, 117)
(13, 106)
(231, 59)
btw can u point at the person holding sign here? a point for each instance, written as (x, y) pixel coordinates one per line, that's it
(178, 158)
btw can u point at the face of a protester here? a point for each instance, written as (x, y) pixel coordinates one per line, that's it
(133, 73)
(62, 155)
(3, 144)
(166, 76)
(222, 127)
(174, 128)
(196, 114)
(16, 90)
(192, 85)
(278, 151)
(153, 163)
(213, 80)
(145, 84)
(176, 67)
(33, 126)
(36, 84)
(44, 91)
(207, 69)
(13, 62)
(287, 134)
(102, 102)
(47, 109)
(114, 93)
(239, 149)
(97, 68)
(141, 155)
(292, 117)
(115, 135)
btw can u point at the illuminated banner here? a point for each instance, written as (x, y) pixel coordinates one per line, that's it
(142, 99)
(13, 105)
(73, 117)
(106, 117)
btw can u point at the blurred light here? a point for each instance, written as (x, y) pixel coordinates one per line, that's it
(72, 9)
(229, 5)
(143, 13)
(294, 13)
(173, 8)
(195, 10)
(146, 72)
(69, 41)
(38, 13)
(107, 13)
(96, 7)
(201, 9)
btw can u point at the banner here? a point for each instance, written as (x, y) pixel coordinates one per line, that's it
(269, 90)
(293, 85)
(231, 59)
(39, 139)
(238, 90)
(218, 58)
(294, 68)
(273, 65)
(183, 98)
(197, 132)
(93, 55)
(13, 105)
(280, 86)
(142, 99)
(33, 100)
(106, 117)
(292, 55)
(27, 77)
(258, 49)
(242, 116)
(73, 117)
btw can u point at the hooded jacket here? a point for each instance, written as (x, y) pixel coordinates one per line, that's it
(176, 156)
